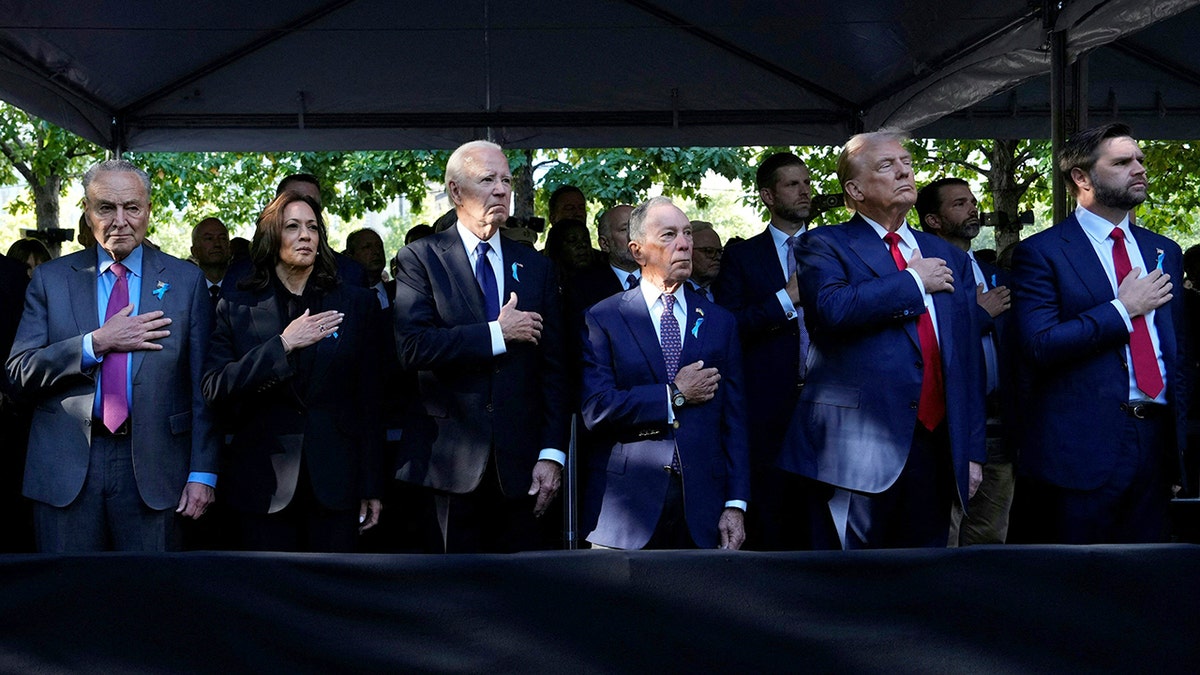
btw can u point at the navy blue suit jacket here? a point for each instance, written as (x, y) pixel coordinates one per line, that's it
(749, 279)
(471, 402)
(625, 404)
(854, 425)
(1073, 342)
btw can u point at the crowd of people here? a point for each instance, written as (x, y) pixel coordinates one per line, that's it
(869, 384)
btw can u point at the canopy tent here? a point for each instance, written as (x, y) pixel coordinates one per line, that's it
(1149, 79)
(375, 74)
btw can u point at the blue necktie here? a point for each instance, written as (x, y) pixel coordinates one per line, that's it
(487, 281)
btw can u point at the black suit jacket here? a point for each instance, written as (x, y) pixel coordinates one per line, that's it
(474, 403)
(331, 422)
(749, 279)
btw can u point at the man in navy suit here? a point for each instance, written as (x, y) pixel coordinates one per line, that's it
(892, 414)
(947, 208)
(662, 392)
(1101, 332)
(758, 284)
(478, 318)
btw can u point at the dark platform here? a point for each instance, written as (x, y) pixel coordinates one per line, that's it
(985, 609)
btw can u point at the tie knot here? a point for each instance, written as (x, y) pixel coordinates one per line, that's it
(892, 239)
(482, 249)
(118, 269)
(1117, 234)
(668, 301)
(631, 281)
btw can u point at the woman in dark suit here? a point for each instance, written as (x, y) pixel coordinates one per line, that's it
(293, 374)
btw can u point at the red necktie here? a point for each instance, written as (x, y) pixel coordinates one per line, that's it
(931, 409)
(114, 407)
(1145, 363)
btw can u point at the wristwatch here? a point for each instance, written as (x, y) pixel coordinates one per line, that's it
(677, 397)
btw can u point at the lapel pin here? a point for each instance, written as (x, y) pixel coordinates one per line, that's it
(515, 267)
(161, 289)
(696, 326)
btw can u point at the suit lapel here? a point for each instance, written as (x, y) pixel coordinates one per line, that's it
(152, 270)
(765, 252)
(693, 332)
(450, 252)
(637, 318)
(874, 253)
(1163, 322)
(869, 248)
(327, 347)
(510, 280)
(82, 287)
(1082, 257)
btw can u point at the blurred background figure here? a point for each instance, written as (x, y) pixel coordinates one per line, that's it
(31, 252)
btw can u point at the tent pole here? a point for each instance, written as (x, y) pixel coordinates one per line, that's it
(1058, 104)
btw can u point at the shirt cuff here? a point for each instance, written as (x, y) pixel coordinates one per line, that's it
(785, 303)
(498, 347)
(1116, 302)
(557, 456)
(90, 360)
(670, 406)
(204, 478)
(736, 504)
(920, 284)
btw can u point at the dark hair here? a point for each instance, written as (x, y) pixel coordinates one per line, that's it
(765, 177)
(1079, 152)
(21, 249)
(560, 192)
(297, 178)
(417, 232)
(929, 199)
(353, 236)
(556, 238)
(268, 237)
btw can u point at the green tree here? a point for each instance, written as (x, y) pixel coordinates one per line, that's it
(45, 157)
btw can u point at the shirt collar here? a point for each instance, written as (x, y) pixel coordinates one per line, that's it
(1099, 228)
(132, 262)
(905, 233)
(652, 293)
(471, 242)
(780, 237)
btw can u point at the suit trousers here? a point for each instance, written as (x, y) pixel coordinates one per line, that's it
(304, 525)
(915, 511)
(108, 514)
(1130, 508)
(671, 531)
(486, 521)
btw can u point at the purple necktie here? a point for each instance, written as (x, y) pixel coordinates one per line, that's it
(672, 341)
(113, 404)
(804, 341)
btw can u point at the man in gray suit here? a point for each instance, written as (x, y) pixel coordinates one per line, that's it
(110, 351)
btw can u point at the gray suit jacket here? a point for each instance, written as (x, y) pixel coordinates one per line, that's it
(171, 430)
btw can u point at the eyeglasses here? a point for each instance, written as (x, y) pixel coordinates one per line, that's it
(711, 251)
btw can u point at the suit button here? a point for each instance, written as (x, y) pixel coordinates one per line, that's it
(907, 312)
(490, 408)
(912, 404)
(790, 315)
(497, 370)
(919, 364)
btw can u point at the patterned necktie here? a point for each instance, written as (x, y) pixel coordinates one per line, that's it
(931, 409)
(114, 404)
(486, 277)
(672, 341)
(631, 281)
(1145, 363)
(804, 340)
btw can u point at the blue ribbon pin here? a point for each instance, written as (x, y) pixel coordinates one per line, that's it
(161, 289)
(516, 266)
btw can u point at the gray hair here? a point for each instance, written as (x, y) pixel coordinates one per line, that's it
(700, 226)
(115, 165)
(457, 164)
(637, 219)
